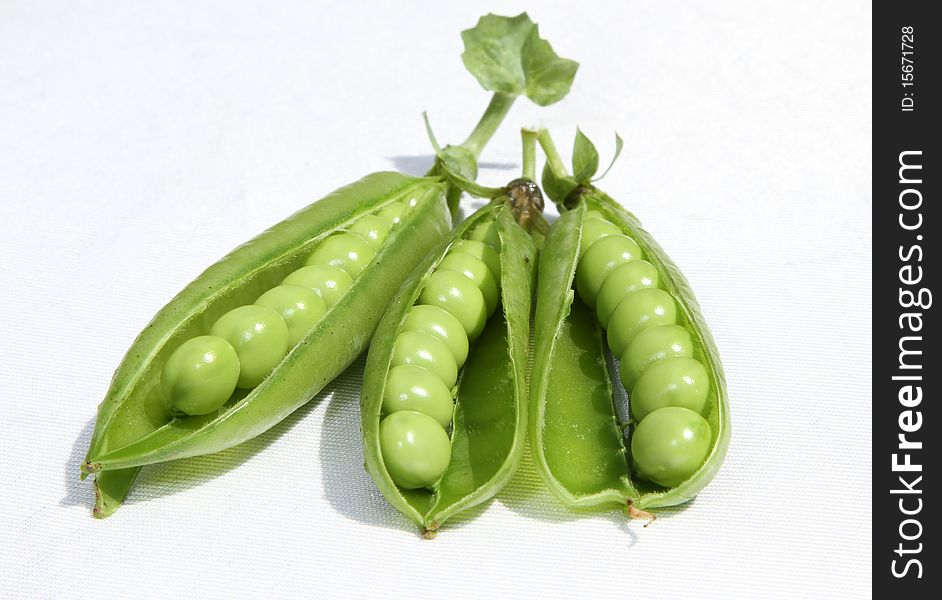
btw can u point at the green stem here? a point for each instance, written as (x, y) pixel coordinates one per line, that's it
(552, 154)
(491, 119)
(529, 153)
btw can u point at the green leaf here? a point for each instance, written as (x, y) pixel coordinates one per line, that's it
(548, 77)
(557, 188)
(619, 144)
(459, 160)
(585, 158)
(506, 54)
(492, 52)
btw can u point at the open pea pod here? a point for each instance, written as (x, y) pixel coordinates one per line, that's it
(135, 426)
(607, 291)
(487, 420)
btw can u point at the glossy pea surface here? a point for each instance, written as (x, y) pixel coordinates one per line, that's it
(409, 387)
(345, 250)
(599, 260)
(623, 280)
(679, 381)
(330, 283)
(415, 449)
(481, 251)
(650, 346)
(488, 234)
(373, 229)
(260, 338)
(459, 296)
(393, 213)
(299, 306)
(670, 444)
(475, 270)
(638, 311)
(439, 323)
(200, 375)
(595, 229)
(422, 350)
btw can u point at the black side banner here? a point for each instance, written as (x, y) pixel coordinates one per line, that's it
(907, 372)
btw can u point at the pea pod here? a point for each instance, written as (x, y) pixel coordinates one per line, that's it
(135, 426)
(490, 399)
(259, 333)
(679, 435)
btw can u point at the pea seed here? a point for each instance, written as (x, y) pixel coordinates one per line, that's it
(595, 229)
(409, 387)
(623, 280)
(670, 444)
(601, 258)
(459, 296)
(475, 270)
(200, 375)
(650, 346)
(260, 338)
(678, 381)
(415, 449)
(439, 323)
(330, 283)
(638, 311)
(488, 234)
(421, 350)
(373, 229)
(480, 251)
(347, 251)
(299, 306)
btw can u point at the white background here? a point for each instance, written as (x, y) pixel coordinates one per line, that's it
(141, 141)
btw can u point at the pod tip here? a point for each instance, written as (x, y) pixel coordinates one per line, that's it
(637, 513)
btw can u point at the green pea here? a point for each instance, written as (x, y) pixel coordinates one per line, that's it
(459, 296)
(623, 280)
(423, 350)
(677, 381)
(299, 306)
(488, 234)
(415, 449)
(650, 346)
(260, 338)
(345, 250)
(330, 283)
(593, 213)
(373, 229)
(439, 323)
(200, 375)
(393, 213)
(475, 270)
(670, 444)
(409, 387)
(481, 251)
(638, 311)
(595, 229)
(601, 259)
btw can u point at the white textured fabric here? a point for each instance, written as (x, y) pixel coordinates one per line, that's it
(141, 141)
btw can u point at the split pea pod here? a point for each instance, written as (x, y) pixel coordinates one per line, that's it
(608, 292)
(156, 408)
(259, 333)
(444, 396)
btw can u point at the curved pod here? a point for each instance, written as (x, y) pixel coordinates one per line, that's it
(134, 427)
(489, 426)
(571, 389)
